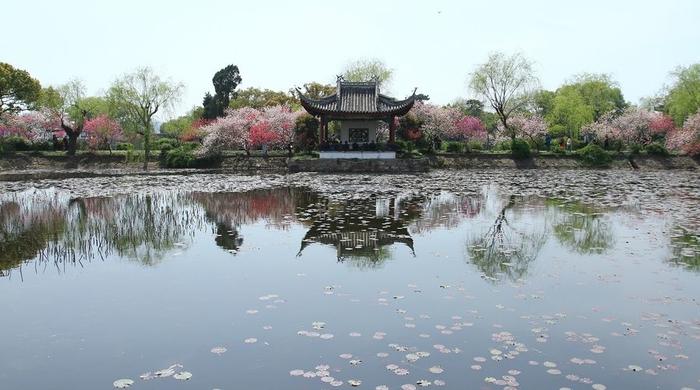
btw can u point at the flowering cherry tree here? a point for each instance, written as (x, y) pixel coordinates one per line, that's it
(470, 128)
(436, 122)
(32, 126)
(195, 132)
(102, 131)
(661, 124)
(282, 123)
(525, 126)
(635, 125)
(246, 128)
(604, 128)
(261, 134)
(231, 131)
(687, 138)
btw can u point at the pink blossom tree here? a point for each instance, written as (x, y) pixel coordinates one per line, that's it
(261, 134)
(437, 122)
(230, 132)
(282, 123)
(102, 131)
(532, 127)
(687, 138)
(634, 125)
(661, 124)
(470, 128)
(32, 126)
(604, 129)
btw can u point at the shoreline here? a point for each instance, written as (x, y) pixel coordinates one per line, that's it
(28, 167)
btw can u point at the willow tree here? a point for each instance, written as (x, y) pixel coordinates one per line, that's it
(138, 97)
(507, 83)
(369, 69)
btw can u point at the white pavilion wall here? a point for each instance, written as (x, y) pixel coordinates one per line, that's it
(346, 125)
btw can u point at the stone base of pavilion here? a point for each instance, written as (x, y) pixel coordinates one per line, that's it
(362, 155)
(355, 165)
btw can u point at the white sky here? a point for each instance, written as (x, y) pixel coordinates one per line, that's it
(432, 45)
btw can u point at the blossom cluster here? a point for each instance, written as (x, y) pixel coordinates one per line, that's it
(102, 131)
(448, 123)
(247, 128)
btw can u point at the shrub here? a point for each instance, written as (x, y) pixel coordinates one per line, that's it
(181, 157)
(165, 144)
(475, 145)
(594, 155)
(520, 149)
(557, 149)
(405, 146)
(656, 149)
(557, 131)
(635, 148)
(502, 145)
(125, 146)
(412, 154)
(42, 146)
(15, 143)
(184, 157)
(454, 147)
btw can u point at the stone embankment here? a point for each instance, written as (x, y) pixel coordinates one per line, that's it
(35, 166)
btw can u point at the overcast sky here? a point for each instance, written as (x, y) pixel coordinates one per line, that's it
(432, 45)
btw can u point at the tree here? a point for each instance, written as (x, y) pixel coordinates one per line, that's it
(686, 138)
(141, 95)
(18, 89)
(282, 121)
(102, 131)
(581, 101)
(176, 127)
(261, 98)
(599, 91)
(317, 90)
(230, 131)
(225, 82)
(506, 82)
(543, 101)
(68, 106)
(470, 128)
(568, 113)
(437, 122)
(469, 107)
(307, 130)
(532, 127)
(369, 69)
(683, 98)
(210, 107)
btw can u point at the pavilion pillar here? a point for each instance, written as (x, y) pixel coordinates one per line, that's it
(392, 130)
(322, 130)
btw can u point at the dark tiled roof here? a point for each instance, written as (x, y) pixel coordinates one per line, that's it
(357, 98)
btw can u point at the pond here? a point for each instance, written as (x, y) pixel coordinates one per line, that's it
(490, 280)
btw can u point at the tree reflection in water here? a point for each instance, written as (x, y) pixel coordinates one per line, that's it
(228, 211)
(685, 248)
(52, 228)
(508, 245)
(505, 234)
(581, 228)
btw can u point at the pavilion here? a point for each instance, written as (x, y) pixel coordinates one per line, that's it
(359, 106)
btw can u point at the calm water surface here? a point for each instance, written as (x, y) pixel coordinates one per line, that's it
(292, 288)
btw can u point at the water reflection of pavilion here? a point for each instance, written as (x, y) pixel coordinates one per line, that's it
(359, 229)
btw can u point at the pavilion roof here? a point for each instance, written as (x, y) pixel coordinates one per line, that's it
(357, 99)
